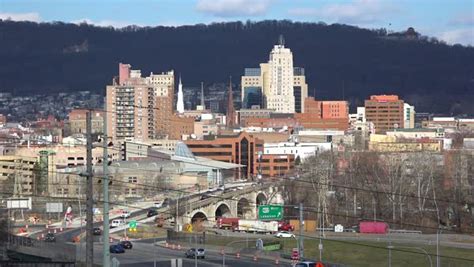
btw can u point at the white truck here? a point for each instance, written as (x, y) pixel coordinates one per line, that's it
(255, 226)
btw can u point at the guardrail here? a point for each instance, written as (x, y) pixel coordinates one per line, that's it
(404, 231)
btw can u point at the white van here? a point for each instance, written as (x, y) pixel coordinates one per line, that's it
(116, 223)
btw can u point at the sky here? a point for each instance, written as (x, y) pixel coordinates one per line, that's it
(448, 20)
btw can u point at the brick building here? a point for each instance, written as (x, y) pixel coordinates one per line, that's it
(275, 165)
(243, 149)
(77, 121)
(180, 126)
(3, 119)
(240, 149)
(140, 107)
(385, 112)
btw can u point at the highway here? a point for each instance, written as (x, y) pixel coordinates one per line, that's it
(145, 254)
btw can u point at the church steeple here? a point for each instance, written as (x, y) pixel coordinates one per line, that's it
(203, 104)
(180, 103)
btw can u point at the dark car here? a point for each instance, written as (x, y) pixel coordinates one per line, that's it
(195, 253)
(152, 213)
(50, 237)
(126, 244)
(97, 231)
(116, 249)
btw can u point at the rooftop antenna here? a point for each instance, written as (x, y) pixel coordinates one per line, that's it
(281, 40)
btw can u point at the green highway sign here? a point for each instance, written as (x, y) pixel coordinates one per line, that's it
(132, 224)
(270, 212)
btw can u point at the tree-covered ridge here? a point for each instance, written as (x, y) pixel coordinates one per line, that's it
(339, 60)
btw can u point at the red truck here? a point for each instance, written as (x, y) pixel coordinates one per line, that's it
(373, 227)
(285, 226)
(227, 223)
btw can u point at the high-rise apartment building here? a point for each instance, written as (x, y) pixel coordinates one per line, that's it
(139, 107)
(385, 112)
(276, 85)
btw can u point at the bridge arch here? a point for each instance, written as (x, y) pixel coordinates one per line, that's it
(199, 216)
(244, 210)
(261, 199)
(223, 210)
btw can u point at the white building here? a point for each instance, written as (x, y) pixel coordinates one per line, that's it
(408, 116)
(280, 94)
(301, 150)
(276, 85)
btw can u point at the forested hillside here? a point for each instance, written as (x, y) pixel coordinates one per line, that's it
(58, 57)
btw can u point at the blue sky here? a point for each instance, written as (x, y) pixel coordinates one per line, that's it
(449, 20)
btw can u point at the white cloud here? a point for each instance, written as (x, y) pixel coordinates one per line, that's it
(106, 23)
(31, 16)
(465, 19)
(355, 12)
(233, 8)
(458, 36)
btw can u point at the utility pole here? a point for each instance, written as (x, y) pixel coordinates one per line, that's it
(301, 246)
(89, 194)
(105, 164)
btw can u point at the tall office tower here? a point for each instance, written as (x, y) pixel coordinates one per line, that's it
(230, 116)
(279, 95)
(385, 112)
(276, 85)
(180, 103)
(139, 107)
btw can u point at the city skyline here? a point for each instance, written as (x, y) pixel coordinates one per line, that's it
(452, 22)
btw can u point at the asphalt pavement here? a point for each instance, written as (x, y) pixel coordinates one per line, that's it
(145, 254)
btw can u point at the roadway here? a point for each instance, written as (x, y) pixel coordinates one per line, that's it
(145, 254)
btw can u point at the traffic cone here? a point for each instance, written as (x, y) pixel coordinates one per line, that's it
(254, 257)
(237, 255)
(167, 245)
(179, 246)
(277, 261)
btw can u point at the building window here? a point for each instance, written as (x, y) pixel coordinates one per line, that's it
(132, 179)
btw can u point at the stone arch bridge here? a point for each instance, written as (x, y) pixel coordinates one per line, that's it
(232, 204)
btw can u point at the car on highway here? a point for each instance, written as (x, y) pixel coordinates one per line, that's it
(126, 244)
(50, 237)
(97, 231)
(116, 249)
(195, 253)
(306, 264)
(125, 214)
(284, 234)
(117, 223)
(151, 213)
